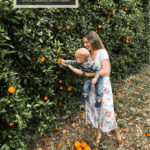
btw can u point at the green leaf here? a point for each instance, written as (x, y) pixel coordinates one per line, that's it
(27, 56)
(5, 36)
(3, 147)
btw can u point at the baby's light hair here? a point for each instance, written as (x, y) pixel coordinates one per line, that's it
(84, 53)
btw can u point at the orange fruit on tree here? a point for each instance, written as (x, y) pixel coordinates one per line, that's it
(58, 28)
(141, 31)
(45, 98)
(105, 12)
(79, 148)
(69, 89)
(77, 144)
(58, 60)
(127, 38)
(57, 51)
(94, 7)
(132, 25)
(113, 10)
(119, 35)
(60, 81)
(146, 27)
(58, 72)
(67, 27)
(11, 89)
(127, 41)
(83, 144)
(42, 59)
(60, 103)
(74, 126)
(44, 135)
(127, 23)
(108, 20)
(11, 124)
(96, 31)
(137, 3)
(99, 26)
(126, 9)
(87, 148)
(61, 88)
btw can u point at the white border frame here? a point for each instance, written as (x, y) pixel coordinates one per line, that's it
(46, 6)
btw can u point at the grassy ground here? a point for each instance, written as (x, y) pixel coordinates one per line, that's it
(132, 110)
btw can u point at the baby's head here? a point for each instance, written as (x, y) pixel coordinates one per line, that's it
(82, 55)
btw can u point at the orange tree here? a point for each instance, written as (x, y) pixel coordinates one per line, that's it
(33, 87)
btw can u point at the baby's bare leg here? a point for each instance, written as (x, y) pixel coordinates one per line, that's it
(99, 100)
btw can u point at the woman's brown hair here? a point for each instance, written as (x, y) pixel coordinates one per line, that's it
(95, 41)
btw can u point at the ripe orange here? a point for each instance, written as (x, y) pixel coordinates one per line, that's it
(57, 51)
(117, 81)
(61, 88)
(58, 129)
(67, 27)
(127, 23)
(59, 144)
(94, 7)
(126, 9)
(113, 10)
(146, 27)
(69, 89)
(58, 72)
(127, 41)
(74, 126)
(77, 144)
(79, 148)
(137, 3)
(60, 81)
(127, 38)
(11, 89)
(141, 31)
(42, 59)
(99, 26)
(83, 144)
(45, 98)
(58, 60)
(87, 148)
(11, 124)
(105, 12)
(44, 135)
(148, 134)
(119, 35)
(108, 20)
(132, 25)
(58, 28)
(60, 103)
(96, 31)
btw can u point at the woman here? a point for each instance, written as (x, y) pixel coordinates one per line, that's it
(103, 117)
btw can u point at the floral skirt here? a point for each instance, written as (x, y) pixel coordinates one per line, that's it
(104, 115)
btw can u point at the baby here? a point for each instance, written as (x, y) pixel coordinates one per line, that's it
(86, 65)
